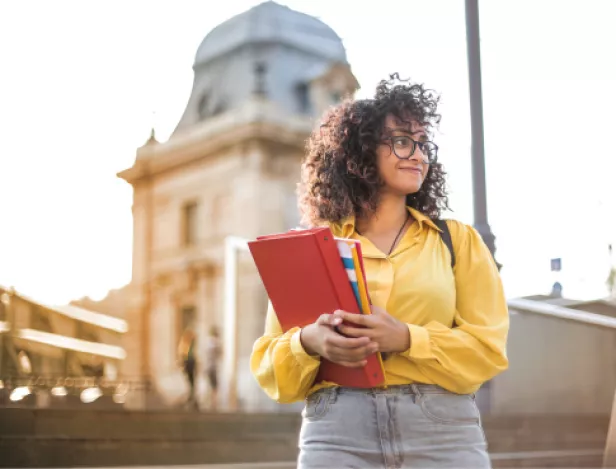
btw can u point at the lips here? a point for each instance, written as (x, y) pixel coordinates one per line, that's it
(411, 170)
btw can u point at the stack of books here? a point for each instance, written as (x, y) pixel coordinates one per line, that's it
(307, 273)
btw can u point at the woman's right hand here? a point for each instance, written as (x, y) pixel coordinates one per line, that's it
(320, 338)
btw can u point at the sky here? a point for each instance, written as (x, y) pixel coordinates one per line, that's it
(83, 83)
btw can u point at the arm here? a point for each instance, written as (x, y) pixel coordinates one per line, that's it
(473, 351)
(280, 364)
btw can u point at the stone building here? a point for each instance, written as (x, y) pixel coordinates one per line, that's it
(230, 168)
(50, 354)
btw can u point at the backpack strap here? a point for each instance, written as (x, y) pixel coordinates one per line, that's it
(446, 237)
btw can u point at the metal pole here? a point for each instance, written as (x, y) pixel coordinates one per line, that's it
(480, 205)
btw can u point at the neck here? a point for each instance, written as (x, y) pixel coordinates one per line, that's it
(390, 214)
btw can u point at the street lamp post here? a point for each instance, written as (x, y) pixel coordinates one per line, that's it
(480, 206)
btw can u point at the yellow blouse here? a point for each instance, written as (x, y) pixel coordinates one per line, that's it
(457, 319)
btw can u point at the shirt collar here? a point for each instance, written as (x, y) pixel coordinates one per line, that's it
(346, 227)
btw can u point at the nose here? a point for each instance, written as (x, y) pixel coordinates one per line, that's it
(418, 155)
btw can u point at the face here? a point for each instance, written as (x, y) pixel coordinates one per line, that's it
(401, 176)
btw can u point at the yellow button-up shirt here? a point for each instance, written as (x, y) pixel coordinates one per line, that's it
(457, 319)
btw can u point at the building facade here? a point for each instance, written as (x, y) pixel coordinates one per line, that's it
(230, 168)
(50, 354)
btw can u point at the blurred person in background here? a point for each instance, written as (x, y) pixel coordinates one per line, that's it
(188, 362)
(213, 352)
(439, 317)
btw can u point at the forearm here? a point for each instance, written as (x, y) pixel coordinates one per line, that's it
(281, 366)
(459, 358)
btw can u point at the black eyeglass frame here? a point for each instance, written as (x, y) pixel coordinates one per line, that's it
(390, 142)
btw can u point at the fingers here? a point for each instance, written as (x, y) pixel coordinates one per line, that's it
(348, 350)
(348, 343)
(329, 320)
(357, 356)
(350, 331)
(358, 319)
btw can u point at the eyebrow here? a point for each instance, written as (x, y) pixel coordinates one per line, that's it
(407, 131)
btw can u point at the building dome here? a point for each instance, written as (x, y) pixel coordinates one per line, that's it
(268, 23)
(284, 57)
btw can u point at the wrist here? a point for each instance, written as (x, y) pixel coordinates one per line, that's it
(405, 338)
(306, 338)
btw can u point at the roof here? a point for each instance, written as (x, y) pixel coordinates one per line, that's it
(271, 22)
(79, 314)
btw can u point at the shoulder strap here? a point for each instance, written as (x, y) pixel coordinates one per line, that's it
(446, 237)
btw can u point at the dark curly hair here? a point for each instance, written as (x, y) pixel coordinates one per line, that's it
(339, 173)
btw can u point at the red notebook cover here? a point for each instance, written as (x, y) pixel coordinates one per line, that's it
(304, 277)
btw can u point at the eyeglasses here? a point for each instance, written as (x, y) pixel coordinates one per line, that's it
(404, 147)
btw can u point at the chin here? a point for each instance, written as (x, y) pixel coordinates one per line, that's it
(409, 189)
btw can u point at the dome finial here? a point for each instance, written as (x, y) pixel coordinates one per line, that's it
(152, 139)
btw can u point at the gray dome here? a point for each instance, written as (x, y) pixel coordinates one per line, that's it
(270, 22)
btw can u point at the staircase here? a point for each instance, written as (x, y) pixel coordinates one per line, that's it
(98, 438)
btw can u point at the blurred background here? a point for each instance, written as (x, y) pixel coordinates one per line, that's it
(144, 142)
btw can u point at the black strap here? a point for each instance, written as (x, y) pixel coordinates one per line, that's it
(446, 237)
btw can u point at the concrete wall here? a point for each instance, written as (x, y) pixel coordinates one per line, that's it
(556, 367)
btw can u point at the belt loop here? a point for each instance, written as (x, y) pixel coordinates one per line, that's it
(334, 394)
(415, 389)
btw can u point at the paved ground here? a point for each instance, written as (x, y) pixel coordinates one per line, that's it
(271, 465)
(535, 456)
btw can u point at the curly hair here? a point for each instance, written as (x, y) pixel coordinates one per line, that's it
(339, 172)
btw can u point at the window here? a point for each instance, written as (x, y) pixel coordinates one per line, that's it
(303, 98)
(189, 224)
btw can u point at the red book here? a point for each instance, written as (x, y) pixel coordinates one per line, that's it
(304, 277)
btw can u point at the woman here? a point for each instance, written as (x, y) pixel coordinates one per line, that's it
(372, 174)
(213, 351)
(188, 362)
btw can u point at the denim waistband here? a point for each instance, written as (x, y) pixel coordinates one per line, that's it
(416, 389)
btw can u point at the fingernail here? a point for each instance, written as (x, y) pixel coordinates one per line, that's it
(337, 320)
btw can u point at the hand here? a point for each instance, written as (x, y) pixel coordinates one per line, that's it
(390, 334)
(320, 338)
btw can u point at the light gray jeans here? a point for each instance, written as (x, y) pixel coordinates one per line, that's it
(413, 426)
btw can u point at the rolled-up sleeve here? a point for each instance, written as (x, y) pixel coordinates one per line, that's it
(473, 351)
(280, 364)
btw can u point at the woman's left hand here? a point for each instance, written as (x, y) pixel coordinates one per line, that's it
(389, 333)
